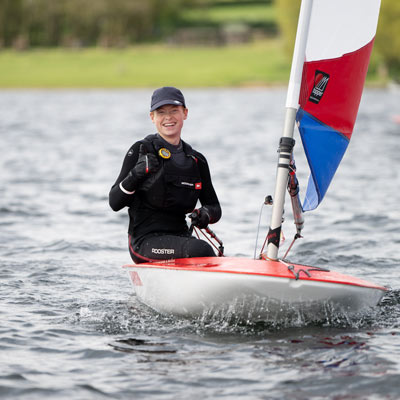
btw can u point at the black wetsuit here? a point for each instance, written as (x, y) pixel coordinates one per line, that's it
(158, 208)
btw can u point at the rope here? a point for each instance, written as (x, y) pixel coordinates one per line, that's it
(220, 253)
(258, 231)
(296, 236)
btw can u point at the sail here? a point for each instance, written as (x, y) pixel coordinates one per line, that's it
(339, 44)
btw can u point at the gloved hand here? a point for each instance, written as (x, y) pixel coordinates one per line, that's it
(146, 165)
(200, 217)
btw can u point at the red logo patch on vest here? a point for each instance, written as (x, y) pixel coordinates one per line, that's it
(197, 186)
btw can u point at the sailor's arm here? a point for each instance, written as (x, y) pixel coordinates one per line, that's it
(121, 192)
(208, 196)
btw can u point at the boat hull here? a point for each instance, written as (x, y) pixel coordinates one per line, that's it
(249, 289)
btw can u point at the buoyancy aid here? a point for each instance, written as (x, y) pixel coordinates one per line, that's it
(173, 187)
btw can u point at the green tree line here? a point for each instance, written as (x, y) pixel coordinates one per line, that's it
(25, 23)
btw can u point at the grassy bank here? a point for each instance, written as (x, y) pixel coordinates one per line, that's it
(260, 63)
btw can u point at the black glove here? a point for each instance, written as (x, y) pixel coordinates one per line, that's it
(200, 217)
(146, 165)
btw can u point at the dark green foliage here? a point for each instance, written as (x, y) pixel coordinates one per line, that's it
(387, 40)
(26, 23)
(10, 21)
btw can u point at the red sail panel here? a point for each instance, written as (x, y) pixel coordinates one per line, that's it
(344, 81)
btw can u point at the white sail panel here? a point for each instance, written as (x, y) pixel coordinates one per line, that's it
(340, 26)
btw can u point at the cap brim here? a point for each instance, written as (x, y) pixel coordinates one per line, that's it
(165, 102)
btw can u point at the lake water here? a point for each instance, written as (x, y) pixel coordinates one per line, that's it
(71, 327)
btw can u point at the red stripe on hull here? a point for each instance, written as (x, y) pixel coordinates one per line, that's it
(135, 278)
(245, 266)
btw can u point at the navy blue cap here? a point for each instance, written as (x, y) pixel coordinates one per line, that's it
(167, 95)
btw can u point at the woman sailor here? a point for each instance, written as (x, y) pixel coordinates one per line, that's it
(161, 179)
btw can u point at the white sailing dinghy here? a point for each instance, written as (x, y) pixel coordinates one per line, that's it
(330, 63)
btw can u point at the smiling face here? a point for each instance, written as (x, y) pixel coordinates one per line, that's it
(168, 120)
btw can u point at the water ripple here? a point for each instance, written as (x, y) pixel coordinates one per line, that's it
(72, 327)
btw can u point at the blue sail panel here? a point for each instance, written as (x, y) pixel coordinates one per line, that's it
(324, 148)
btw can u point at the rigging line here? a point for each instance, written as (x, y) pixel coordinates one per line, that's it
(195, 231)
(220, 253)
(258, 231)
(265, 241)
(268, 201)
(296, 236)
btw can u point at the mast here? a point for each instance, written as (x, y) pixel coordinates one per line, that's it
(286, 142)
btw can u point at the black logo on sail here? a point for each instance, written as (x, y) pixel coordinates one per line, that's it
(320, 83)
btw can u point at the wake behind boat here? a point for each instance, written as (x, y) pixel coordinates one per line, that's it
(329, 67)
